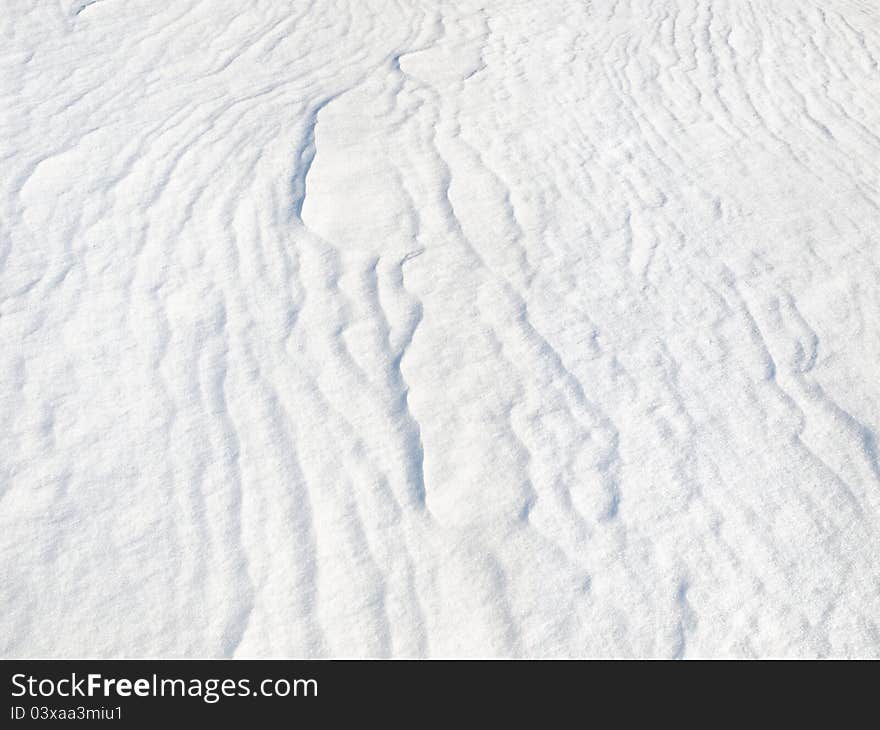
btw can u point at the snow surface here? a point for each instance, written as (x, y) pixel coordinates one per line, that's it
(493, 327)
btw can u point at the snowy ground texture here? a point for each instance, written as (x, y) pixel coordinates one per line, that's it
(443, 328)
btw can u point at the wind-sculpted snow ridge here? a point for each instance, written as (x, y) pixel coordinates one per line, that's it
(425, 328)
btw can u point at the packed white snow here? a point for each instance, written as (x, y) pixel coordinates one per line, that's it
(439, 328)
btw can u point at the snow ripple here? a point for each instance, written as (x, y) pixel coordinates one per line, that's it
(427, 328)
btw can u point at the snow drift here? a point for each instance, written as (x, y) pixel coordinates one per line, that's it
(431, 328)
